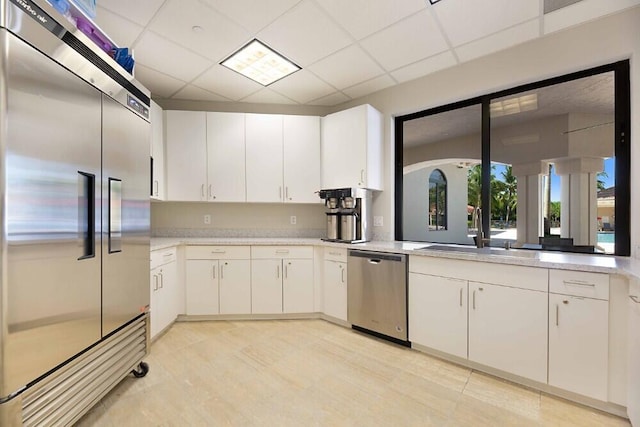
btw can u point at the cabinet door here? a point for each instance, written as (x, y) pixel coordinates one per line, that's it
(297, 286)
(633, 384)
(186, 160)
(170, 289)
(301, 144)
(266, 286)
(344, 154)
(264, 157)
(438, 313)
(202, 287)
(335, 289)
(154, 304)
(235, 286)
(157, 151)
(226, 157)
(508, 329)
(579, 345)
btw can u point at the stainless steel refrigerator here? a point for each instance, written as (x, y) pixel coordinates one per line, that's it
(74, 215)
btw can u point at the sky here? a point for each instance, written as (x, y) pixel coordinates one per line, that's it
(609, 180)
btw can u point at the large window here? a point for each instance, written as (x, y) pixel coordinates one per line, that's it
(547, 162)
(437, 201)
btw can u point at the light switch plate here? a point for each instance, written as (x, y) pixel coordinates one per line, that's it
(378, 221)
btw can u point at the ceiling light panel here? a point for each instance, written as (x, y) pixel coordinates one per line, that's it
(260, 63)
(514, 105)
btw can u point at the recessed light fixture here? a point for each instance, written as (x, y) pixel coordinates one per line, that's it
(197, 29)
(514, 105)
(260, 63)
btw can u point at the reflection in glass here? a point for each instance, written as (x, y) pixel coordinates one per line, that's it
(552, 152)
(437, 201)
(440, 152)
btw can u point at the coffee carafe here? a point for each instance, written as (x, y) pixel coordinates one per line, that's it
(349, 216)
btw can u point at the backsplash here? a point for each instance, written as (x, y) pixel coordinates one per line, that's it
(238, 232)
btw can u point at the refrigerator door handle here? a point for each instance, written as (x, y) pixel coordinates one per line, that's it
(115, 215)
(87, 214)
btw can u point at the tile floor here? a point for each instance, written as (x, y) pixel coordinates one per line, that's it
(314, 373)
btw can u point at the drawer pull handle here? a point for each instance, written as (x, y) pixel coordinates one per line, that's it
(578, 283)
(335, 253)
(219, 251)
(460, 297)
(635, 299)
(282, 251)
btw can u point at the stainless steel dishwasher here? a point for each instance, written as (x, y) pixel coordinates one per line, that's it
(377, 293)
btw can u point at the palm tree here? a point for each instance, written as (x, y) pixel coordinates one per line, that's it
(600, 183)
(474, 191)
(510, 192)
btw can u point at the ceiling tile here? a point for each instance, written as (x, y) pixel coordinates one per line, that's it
(364, 17)
(424, 67)
(583, 11)
(194, 93)
(407, 41)
(267, 96)
(331, 100)
(218, 38)
(122, 31)
(159, 84)
(502, 40)
(464, 21)
(139, 11)
(305, 34)
(252, 15)
(302, 86)
(161, 54)
(346, 68)
(227, 83)
(370, 86)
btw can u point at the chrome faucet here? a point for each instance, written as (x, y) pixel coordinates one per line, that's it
(477, 220)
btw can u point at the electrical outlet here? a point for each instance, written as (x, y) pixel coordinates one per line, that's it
(378, 221)
(207, 219)
(293, 219)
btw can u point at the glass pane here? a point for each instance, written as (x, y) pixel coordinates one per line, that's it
(552, 157)
(436, 206)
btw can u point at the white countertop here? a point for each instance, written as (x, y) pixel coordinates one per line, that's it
(559, 260)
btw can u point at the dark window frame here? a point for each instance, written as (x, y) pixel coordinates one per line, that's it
(443, 179)
(622, 146)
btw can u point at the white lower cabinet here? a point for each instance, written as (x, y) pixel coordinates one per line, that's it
(218, 280)
(508, 329)
(335, 283)
(164, 289)
(438, 313)
(579, 332)
(579, 344)
(633, 377)
(282, 279)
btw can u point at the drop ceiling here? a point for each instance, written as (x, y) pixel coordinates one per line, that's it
(346, 48)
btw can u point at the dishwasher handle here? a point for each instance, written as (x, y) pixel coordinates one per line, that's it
(377, 257)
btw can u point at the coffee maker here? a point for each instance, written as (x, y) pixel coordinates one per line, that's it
(349, 215)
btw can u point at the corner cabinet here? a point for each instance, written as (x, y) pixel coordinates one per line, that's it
(186, 136)
(157, 152)
(352, 149)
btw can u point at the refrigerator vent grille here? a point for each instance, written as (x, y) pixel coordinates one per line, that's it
(63, 397)
(83, 50)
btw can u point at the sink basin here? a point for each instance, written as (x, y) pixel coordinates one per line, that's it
(484, 251)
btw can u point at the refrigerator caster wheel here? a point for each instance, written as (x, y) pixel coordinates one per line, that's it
(143, 369)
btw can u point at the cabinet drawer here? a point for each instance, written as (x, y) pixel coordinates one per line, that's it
(218, 252)
(579, 283)
(284, 252)
(163, 256)
(335, 254)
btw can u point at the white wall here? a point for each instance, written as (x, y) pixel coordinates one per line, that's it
(600, 42)
(416, 209)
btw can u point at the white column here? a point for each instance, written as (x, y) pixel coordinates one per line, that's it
(529, 207)
(578, 205)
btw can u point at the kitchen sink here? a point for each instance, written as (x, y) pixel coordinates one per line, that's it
(484, 251)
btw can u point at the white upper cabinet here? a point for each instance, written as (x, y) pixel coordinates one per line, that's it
(226, 157)
(301, 145)
(264, 158)
(186, 162)
(157, 152)
(352, 149)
